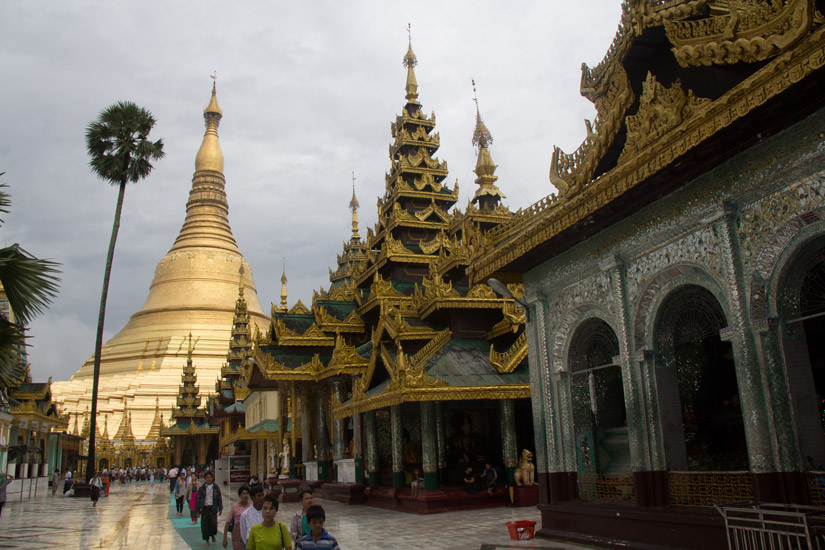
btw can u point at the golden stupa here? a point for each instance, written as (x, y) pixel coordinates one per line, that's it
(193, 291)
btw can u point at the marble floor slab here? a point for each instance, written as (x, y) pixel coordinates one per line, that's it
(137, 516)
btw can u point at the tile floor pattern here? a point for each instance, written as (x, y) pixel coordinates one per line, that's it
(136, 516)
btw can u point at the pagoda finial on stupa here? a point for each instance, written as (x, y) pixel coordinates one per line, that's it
(488, 194)
(105, 436)
(353, 206)
(410, 61)
(240, 282)
(284, 307)
(209, 156)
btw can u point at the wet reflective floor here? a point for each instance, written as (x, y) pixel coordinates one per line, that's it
(139, 515)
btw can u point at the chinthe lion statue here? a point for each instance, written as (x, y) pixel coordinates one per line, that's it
(526, 472)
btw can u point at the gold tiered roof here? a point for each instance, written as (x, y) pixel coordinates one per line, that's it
(392, 319)
(187, 416)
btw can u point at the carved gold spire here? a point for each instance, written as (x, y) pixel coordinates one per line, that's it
(410, 62)
(240, 282)
(284, 307)
(487, 194)
(105, 436)
(353, 206)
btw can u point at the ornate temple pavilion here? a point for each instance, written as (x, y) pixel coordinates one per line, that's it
(193, 291)
(674, 282)
(402, 363)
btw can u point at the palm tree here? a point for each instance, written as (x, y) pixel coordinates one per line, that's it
(120, 150)
(30, 285)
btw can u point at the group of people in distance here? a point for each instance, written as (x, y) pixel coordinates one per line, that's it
(486, 480)
(252, 523)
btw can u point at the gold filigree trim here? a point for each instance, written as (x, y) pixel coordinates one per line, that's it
(738, 31)
(507, 361)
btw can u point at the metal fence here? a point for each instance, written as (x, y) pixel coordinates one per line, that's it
(769, 526)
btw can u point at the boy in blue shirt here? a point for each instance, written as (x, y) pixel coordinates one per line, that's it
(317, 538)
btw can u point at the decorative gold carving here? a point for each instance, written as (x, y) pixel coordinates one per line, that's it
(660, 110)
(299, 309)
(424, 354)
(482, 291)
(312, 336)
(345, 355)
(570, 172)
(740, 30)
(507, 361)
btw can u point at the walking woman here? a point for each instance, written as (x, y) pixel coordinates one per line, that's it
(180, 493)
(233, 519)
(95, 485)
(192, 497)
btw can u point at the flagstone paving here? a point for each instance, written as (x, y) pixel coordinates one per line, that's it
(141, 515)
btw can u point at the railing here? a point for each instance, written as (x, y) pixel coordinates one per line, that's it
(779, 526)
(709, 488)
(816, 487)
(606, 487)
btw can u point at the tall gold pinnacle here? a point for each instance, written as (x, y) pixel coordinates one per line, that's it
(240, 281)
(409, 62)
(488, 194)
(353, 206)
(284, 307)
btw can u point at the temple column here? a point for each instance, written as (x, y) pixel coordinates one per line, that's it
(306, 426)
(357, 448)
(339, 449)
(294, 416)
(441, 442)
(398, 479)
(508, 439)
(429, 449)
(322, 437)
(372, 448)
(758, 406)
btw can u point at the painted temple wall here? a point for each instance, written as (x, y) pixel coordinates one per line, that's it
(731, 231)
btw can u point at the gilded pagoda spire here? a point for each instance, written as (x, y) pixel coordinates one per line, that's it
(157, 423)
(105, 436)
(353, 206)
(284, 307)
(410, 61)
(487, 194)
(207, 210)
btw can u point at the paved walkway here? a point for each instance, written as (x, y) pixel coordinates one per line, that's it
(138, 516)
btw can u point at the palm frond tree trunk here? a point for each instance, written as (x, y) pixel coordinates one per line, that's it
(90, 464)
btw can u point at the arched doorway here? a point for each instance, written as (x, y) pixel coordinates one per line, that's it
(599, 417)
(696, 379)
(801, 307)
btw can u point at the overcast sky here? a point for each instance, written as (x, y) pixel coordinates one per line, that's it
(308, 91)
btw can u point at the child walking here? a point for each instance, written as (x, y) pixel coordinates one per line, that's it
(317, 538)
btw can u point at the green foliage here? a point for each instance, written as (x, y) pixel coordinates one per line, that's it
(118, 143)
(30, 285)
